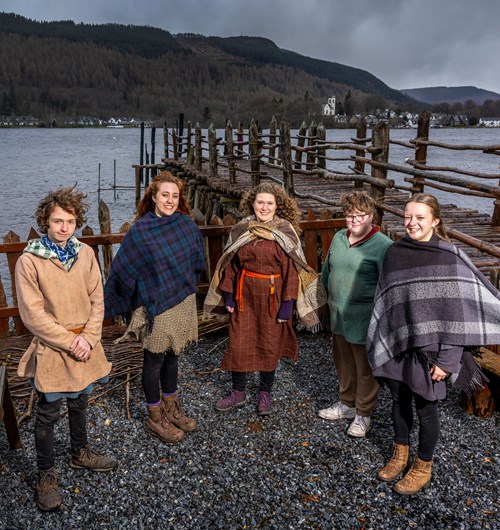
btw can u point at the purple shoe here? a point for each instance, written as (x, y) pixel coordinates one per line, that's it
(235, 398)
(264, 403)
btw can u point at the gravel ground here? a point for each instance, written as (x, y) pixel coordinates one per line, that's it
(238, 471)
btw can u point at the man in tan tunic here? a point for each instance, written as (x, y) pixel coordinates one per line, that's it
(60, 298)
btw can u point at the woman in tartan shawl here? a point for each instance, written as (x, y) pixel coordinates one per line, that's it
(154, 275)
(431, 303)
(257, 279)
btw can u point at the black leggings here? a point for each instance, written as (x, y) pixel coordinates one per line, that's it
(402, 417)
(159, 369)
(265, 385)
(47, 415)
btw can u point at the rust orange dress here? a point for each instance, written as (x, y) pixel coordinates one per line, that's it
(256, 340)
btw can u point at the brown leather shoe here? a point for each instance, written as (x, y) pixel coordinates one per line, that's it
(158, 425)
(396, 464)
(175, 415)
(48, 497)
(418, 478)
(87, 458)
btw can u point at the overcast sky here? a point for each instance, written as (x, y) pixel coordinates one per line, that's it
(405, 43)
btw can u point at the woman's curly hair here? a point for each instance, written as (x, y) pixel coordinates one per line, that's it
(147, 204)
(286, 207)
(69, 199)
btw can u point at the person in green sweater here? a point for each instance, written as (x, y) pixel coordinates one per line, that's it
(350, 275)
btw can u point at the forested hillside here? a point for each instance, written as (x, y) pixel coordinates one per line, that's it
(55, 69)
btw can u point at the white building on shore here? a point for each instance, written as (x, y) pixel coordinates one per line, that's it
(329, 108)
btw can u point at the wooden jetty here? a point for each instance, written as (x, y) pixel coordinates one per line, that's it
(219, 170)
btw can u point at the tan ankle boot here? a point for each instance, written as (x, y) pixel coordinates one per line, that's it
(159, 426)
(396, 464)
(176, 416)
(418, 478)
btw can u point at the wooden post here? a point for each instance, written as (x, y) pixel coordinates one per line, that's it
(189, 135)
(138, 180)
(421, 150)
(105, 226)
(146, 180)
(12, 258)
(286, 157)
(165, 139)
(4, 323)
(7, 412)
(321, 152)
(311, 141)
(380, 140)
(198, 151)
(212, 150)
(230, 152)
(240, 138)
(255, 150)
(141, 156)
(174, 145)
(272, 141)
(359, 167)
(181, 133)
(300, 143)
(153, 151)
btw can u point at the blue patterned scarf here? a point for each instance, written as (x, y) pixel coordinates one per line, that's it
(157, 266)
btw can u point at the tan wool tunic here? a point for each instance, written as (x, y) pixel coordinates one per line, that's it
(256, 341)
(52, 301)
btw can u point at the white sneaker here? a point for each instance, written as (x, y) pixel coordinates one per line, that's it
(359, 427)
(337, 411)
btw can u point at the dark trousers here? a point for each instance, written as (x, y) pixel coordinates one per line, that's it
(47, 414)
(265, 384)
(402, 417)
(159, 370)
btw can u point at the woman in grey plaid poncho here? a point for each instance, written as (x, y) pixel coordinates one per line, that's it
(431, 306)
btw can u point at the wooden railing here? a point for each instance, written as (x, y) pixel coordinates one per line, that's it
(243, 152)
(317, 235)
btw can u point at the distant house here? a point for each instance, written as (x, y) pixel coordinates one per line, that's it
(489, 122)
(329, 108)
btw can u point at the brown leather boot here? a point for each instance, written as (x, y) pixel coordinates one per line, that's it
(418, 478)
(396, 464)
(176, 416)
(48, 497)
(159, 426)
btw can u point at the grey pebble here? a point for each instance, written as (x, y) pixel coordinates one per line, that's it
(291, 470)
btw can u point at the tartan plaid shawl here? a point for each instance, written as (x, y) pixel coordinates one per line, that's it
(430, 293)
(311, 297)
(157, 265)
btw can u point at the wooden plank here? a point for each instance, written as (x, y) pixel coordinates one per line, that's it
(7, 412)
(489, 361)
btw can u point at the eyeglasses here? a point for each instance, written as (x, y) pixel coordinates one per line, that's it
(357, 218)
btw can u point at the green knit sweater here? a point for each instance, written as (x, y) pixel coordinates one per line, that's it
(350, 276)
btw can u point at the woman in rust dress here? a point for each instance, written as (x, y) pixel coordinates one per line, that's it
(257, 282)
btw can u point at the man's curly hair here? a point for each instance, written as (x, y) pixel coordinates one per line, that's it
(69, 199)
(357, 201)
(286, 207)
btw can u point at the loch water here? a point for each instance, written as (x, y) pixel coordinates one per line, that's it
(34, 161)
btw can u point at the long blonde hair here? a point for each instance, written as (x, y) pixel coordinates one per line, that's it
(433, 204)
